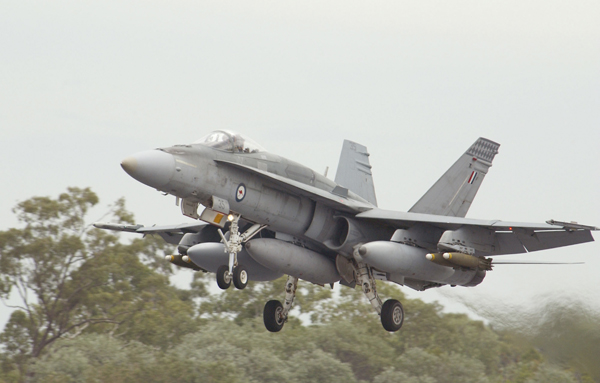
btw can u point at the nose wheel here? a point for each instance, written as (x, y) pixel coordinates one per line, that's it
(239, 277)
(223, 277)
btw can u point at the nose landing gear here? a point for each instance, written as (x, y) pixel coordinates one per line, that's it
(223, 277)
(240, 277)
(235, 272)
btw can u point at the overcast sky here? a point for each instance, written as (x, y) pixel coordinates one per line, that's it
(83, 84)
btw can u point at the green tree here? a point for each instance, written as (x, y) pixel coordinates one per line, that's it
(551, 374)
(445, 368)
(223, 351)
(564, 332)
(95, 358)
(390, 375)
(72, 278)
(96, 308)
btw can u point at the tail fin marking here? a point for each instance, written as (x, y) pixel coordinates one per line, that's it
(454, 192)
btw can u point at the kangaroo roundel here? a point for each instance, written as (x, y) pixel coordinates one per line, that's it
(241, 193)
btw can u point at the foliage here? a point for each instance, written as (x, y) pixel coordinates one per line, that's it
(95, 358)
(72, 278)
(95, 308)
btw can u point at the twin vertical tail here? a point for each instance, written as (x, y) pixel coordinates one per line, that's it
(454, 192)
(354, 171)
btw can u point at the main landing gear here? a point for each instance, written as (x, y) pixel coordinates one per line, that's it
(275, 314)
(235, 272)
(391, 312)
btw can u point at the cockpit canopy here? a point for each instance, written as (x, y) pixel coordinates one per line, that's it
(230, 142)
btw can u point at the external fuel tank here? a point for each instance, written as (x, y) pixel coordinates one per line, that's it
(293, 260)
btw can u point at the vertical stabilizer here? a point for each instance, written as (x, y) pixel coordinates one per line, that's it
(354, 171)
(454, 192)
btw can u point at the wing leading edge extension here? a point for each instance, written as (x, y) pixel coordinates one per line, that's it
(330, 199)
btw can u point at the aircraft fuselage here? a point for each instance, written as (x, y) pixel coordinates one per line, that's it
(192, 172)
(315, 229)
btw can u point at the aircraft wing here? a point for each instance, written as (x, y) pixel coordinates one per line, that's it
(170, 233)
(337, 202)
(509, 237)
(402, 220)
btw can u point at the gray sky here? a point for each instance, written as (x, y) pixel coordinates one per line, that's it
(84, 84)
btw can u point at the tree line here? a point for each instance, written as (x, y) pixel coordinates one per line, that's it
(93, 307)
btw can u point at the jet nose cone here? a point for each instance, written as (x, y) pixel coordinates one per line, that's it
(153, 167)
(129, 164)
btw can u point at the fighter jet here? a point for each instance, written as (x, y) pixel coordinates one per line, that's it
(265, 216)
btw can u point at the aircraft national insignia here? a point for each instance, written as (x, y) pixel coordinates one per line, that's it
(241, 193)
(472, 178)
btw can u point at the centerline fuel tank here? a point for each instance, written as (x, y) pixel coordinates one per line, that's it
(293, 260)
(210, 256)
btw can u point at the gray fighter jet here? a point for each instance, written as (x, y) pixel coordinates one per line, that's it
(265, 216)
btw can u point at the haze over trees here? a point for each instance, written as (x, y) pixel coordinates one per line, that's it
(93, 307)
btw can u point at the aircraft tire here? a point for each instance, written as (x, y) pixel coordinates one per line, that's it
(223, 278)
(271, 316)
(392, 315)
(240, 277)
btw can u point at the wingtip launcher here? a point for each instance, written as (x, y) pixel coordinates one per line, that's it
(572, 225)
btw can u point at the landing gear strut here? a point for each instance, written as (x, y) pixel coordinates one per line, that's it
(391, 312)
(275, 314)
(235, 272)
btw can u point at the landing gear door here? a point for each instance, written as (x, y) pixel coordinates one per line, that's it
(189, 208)
(214, 217)
(346, 270)
(221, 205)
